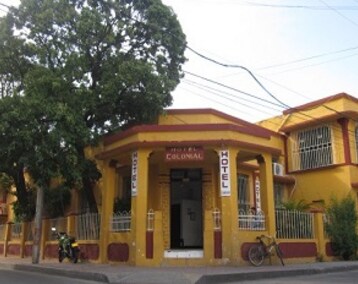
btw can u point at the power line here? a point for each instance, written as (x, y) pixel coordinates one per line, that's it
(231, 88)
(240, 67)
(309, 7)
(339, 13)
(308, 58)
(299, 114)
(315, 64)
(228, 95)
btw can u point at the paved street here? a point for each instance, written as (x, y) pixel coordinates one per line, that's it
(347, 277)
(22, 277)
(52, 272)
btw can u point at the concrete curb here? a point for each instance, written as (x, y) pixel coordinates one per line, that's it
(184, 277)
(84, 275)
(244, 276)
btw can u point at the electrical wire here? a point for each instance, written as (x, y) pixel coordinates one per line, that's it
(339, 13)
(260, 4)
(230, 97)
(240, 67)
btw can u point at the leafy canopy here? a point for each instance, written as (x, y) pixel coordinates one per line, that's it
(72, 70)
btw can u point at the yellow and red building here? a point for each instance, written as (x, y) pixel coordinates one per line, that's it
(200, 185)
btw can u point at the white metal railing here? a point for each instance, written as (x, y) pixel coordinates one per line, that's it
(294, 224)
(88, 226)
(251, 220)
(150, 220)
(217, 219)
(2, 232)
(16, 230)
(121, 221)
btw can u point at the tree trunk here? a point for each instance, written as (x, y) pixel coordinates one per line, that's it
(88, 189)
(36, 247)
(20, 184)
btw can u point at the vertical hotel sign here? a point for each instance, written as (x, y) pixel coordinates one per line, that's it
(225, 189)
(134, 176)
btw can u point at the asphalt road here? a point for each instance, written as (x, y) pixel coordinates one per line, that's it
(346, 277)
(22, 277)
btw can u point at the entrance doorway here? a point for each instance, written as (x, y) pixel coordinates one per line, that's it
(186, 215)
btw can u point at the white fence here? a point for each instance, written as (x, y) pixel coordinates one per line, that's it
(121, 222)
(294, 224)
(88, 226)
(251, 220)
(16, 231)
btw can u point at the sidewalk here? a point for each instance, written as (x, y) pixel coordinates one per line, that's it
(176, 275)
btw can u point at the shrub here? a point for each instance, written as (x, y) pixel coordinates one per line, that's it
(341, 227)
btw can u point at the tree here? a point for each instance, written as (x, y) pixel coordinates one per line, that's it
(342, 227)
(112, 64)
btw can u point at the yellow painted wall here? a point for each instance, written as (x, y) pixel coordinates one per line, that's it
(322, 184)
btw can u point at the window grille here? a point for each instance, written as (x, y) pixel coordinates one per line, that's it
(243, 194)
(312, 148)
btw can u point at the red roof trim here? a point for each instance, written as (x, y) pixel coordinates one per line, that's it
(255, 131)
(320, 102)
(315, 121)
(215, 143)
(219, 114)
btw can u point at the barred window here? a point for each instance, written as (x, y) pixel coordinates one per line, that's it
(314, 148)
(243, 192)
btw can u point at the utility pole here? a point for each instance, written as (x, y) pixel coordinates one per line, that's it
(38, 225)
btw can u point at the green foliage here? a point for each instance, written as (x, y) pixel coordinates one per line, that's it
(56, 201)
(341, 227)
(298, 205)
(5, 182)
(73, 70)
(25, 212)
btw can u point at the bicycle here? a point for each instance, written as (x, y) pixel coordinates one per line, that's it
(258, 252)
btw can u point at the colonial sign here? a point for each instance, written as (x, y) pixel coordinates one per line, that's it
(134, 178)
(225, 189)
(179, 154)
(257, 194)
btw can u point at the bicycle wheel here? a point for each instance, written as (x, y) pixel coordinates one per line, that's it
(256, 254)
(279, 254)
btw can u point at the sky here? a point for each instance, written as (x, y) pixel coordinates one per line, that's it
(297, 51)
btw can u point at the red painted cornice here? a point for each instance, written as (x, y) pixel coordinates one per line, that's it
(320, 102)
(253, 130)
(161, 144)
(309, 122)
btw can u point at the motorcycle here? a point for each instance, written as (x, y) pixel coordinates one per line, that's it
(67, 246)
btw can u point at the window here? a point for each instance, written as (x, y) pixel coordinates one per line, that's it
(123, 201)
(313, 148)
(244, 199)
(278, 194)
